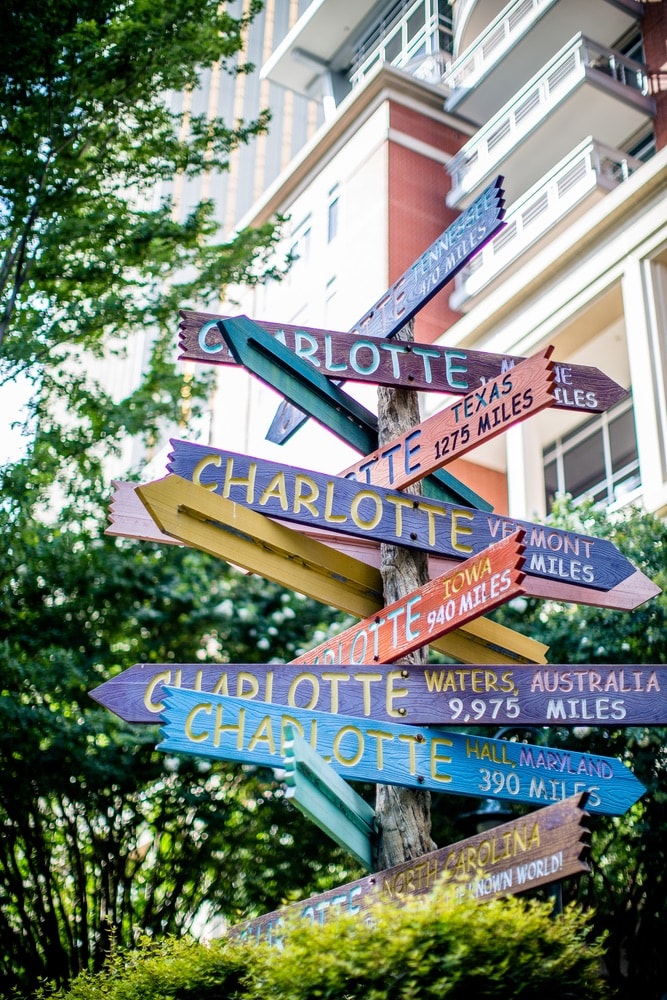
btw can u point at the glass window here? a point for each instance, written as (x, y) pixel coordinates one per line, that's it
(598, 460)
(332, 222)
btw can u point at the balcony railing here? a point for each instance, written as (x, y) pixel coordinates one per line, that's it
(498, 37)
(580, 60)
(417, 31)
(590, 167)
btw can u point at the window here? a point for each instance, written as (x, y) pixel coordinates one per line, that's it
(300, 245)
(597, 460)
(332, 220)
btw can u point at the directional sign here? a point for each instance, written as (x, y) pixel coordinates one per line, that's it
(387, 753)
(240, 536)
(417, 286)
(479, 585)
(367, 511)
(481, 415)
(471, 695)
(298, 381)
(326, 799)
(427, 367)
(544, 846)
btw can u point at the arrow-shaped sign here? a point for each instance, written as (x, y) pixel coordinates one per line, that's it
(247, 539)
(130, 519)
(546, 845)
(326, 799)
(417, 286)
(564, 558)
(281, 369)
(480, 416)
(392, 754)
(477, 586)
(472, 695)
(426, 367)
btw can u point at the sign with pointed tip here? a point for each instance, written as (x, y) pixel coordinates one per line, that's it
(334, 503)
(478, 585)
(388, 753)
(326, 799)
(417, 286)
(545, 846)
(254, 542)
(426, 367)
(281, 369)
(431, 694)
(480, 416)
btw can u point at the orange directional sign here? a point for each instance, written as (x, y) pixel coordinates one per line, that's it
(198, 518)
(456, 430)
(475, 587)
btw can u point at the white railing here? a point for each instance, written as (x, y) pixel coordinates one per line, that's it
(579, 59)
(590, 166)
(415, 32)
(499, 36)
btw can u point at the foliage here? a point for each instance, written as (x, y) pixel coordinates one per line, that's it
(430, 948)
(102, 837)
(95, 246)
(628, 885)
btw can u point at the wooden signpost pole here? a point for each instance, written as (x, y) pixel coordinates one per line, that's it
(402, 815)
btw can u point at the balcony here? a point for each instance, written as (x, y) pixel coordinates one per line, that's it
(517, 42)
(586, 88)
(574, 185)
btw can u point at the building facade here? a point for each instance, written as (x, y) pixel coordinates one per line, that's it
(419, 106)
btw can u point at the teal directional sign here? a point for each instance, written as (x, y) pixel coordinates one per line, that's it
(389, 753)
(282, 369)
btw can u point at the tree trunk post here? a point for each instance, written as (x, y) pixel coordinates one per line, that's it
(403, 814)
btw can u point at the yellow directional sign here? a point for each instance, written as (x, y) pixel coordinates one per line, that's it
(241, 536)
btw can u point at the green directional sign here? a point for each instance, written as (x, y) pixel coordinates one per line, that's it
(310, 390)
(393, 754)
(326, 799)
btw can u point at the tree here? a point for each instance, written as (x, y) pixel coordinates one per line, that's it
(103, 838)
(87, 140)
(628, 885)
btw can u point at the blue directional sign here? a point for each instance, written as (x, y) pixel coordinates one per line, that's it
(237, 729)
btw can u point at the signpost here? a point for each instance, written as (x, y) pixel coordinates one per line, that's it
(247, 539)
(464, 695)
(280, 368)
(480, 416)
(478, 585)
(328, 801)
(336, 504)
(388, 753)
(426, 367)
(526, 853)
(417, 286)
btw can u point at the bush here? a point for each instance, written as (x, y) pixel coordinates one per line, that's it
(427, 949)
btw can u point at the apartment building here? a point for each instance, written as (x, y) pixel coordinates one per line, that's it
(421, 105)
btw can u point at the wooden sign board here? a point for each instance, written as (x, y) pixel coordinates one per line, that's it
(281, 369)
(480, 416)
(470, 695)
(130, 519)
(545, 846)
(249, 540)
(426, 367)
(388, 753)
(327, 800)
(417, 286)
(367, 511)
(477, 586)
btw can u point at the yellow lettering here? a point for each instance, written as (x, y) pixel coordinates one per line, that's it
(459, 529)
(399, 503)
(248, 481)
(437, 758)
(314, 693)
(340, 736)
(276, 488)
(220, 729)
(356, 503)
(207, 460)
(162, 678)
(196, 737)
(431, 513)
(394, 692)
(334, 680)
(305, 499)
(244, 678)
(328, 507)
(263, 734)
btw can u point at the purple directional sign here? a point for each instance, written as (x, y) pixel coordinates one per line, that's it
(437, 694)
(237, 729)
